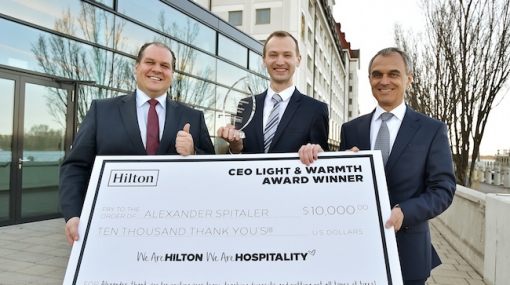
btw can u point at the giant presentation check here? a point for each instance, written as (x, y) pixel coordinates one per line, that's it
(236, 220)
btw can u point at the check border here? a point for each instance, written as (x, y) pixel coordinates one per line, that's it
(196, 159)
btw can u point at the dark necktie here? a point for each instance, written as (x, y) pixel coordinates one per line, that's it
(152, 128)
(272, 122)
(382, 141)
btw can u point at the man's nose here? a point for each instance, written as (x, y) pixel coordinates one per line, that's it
(156, 68)
(385, 80)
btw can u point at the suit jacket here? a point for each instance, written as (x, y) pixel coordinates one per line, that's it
(305, 120)
(420, 178)
(111, 128)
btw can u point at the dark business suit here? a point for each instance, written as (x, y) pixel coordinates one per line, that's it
(111, 128)
(305, 120)
(420, 178)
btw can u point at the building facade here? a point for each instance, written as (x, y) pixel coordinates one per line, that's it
(328, 69)
(56, 56)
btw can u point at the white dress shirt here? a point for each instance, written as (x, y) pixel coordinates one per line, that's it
(142, 112)
(393, 124)
(268, 102)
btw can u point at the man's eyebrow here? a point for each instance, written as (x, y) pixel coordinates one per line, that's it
(391, 71)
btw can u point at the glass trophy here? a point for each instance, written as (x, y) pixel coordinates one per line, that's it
(239, 106)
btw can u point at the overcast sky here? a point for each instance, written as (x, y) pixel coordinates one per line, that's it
(368, 26)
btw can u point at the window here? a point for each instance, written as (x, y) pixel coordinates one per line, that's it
(174, 23)
(310, 35)
(263, 16)
(350, 88)
(235, 18)
(303, 26)
(232, 51)
(255, 63)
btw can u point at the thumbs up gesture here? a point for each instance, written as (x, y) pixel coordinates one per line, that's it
(184, 142)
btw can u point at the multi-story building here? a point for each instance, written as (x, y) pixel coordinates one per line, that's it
(56, 56)
(351, 56)
(328, 70)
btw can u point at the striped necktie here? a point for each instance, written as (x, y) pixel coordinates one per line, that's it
(272, 122)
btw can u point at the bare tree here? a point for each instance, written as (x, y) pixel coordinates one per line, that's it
(461, 65)
(41, 137)
(66, 58)
(196, 93)
(259, 84)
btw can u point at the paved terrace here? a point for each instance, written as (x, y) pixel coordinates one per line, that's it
(37, 253)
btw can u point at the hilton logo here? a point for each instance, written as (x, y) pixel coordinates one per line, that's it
(123, 178)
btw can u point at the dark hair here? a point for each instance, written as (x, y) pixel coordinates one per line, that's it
(387, 51)
(280, 34)
(158, 44)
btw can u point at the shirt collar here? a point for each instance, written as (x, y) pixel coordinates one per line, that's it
(399, 112)
(285, 94)
(142, 98)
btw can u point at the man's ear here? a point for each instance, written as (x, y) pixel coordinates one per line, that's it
(298, 60)
(410, 78)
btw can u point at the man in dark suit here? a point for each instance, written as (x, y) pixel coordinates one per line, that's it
(124, 125)
(419, 168)
(298, 120)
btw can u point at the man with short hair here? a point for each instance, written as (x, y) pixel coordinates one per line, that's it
(285, 119)
(418, 161)
(141, 123)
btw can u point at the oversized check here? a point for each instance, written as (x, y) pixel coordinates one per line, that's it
(236, 220)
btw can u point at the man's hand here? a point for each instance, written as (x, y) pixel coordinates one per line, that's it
(231, 135)
(72, 230)
(309, 153)
(184, 142)
(396, 219)
(354, 149)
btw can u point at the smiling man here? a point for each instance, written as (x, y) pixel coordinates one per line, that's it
(145, 122)
(285, 119)
(417, 158)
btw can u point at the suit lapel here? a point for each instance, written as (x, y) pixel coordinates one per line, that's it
(130, 121)
(173, 116)
(258, 120)
(364, 132)
(410, 124)
(294, 103)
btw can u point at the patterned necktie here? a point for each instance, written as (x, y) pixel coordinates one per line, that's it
(152, 143)
(382, 142)
(272, 122)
